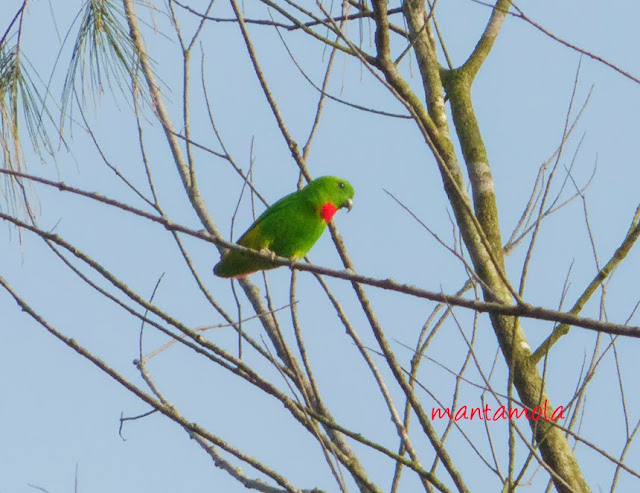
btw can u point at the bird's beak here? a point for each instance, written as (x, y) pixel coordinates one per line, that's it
(348, 204)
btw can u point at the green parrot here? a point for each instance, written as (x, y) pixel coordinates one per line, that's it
(290, 227)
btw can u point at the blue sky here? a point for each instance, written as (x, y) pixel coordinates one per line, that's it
(59, 412)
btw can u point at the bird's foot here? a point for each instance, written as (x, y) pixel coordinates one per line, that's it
(293, 261)
(266, 251)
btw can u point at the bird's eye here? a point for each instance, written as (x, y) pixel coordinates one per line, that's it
(341, 185)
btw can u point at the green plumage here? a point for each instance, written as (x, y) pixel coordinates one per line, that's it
(290, 227)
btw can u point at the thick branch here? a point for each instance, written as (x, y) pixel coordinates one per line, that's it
(424, 47)
(488, 38)
(513, 342)
(458, 86)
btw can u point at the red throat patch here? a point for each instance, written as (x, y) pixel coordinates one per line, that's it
(327, 211)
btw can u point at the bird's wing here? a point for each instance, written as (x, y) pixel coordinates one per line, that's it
(255, 236)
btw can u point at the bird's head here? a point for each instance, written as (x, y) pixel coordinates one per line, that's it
(331, 193)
